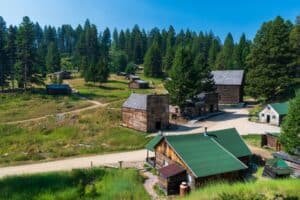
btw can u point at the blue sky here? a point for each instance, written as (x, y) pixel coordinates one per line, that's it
(235, 16)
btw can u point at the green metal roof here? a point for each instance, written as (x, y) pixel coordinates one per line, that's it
(280, 108)
(279, 166)
(231, 140)
(152, 143)
(203, 155)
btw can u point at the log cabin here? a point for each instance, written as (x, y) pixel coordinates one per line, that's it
(146, 112)
(230, 85)
(204, 157)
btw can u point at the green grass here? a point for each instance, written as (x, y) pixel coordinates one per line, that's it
(90, 132)
(35, 103)
(253, 139)
(96, 183)
(257, 190)
(115, 89)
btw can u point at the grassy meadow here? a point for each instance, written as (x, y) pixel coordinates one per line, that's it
(96, 184)
(89, 132)
(116, 89)
(266, 189)
(35, 103)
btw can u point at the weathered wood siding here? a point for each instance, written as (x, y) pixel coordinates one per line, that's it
(157, 112)
(135, 119)
(230, 94)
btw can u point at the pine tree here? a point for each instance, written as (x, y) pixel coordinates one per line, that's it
(153, 61)
(180, 86)
(26, 55)
(295, 49)
(290, 138)
(241, 51)
(169, 56)
(122, 41)
(3, 63)
(203, 80)
(116, 38)
(225, 57)
(11, 51)
(214, 50)
(268, 75)
(102, 73)
(53, 58)
(137, 44)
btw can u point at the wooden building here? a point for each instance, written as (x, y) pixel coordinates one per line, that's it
(271, 140)
(132, 77)
(230, 85)
(202, 104)
(146, 112)
(273, 113)
(205, 156)
(138, 84)
(58, 89)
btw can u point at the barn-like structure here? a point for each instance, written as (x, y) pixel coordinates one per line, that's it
(146, 112)
(204, 157)
(230, 85)
(138, 84)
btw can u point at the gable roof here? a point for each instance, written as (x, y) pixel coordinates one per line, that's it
(200, 152)
(152, 143)
(280, 108)
(203, 155)
(136, 101)
(231, 140)
(228, 77)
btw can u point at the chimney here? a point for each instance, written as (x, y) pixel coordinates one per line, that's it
(205, 131)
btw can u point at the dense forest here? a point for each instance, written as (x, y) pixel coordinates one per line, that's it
(29, 52)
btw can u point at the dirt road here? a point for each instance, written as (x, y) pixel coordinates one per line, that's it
(73, 163)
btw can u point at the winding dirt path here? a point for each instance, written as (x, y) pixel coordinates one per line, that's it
(95, 105)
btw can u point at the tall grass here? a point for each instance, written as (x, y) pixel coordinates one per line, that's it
(97, 183)
(90, 132)
(35, 103)
(256, 190)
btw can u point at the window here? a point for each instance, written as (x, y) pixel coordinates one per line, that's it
(273, 117)
(176, 110)
(268, 107)
(165, 163)
(262, 115)
(189, 179)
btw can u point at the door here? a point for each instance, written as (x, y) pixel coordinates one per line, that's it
(268, 118)
(158, 125)
(211, 108)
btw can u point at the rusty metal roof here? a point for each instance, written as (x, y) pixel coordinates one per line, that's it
(171, 170)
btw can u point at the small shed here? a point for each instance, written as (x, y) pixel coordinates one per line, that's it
(276, 168)
(138, 84)
(55, 89)
(293, 161)
(271, 140)
(170, 177)
(132, 77)
(274, 113)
